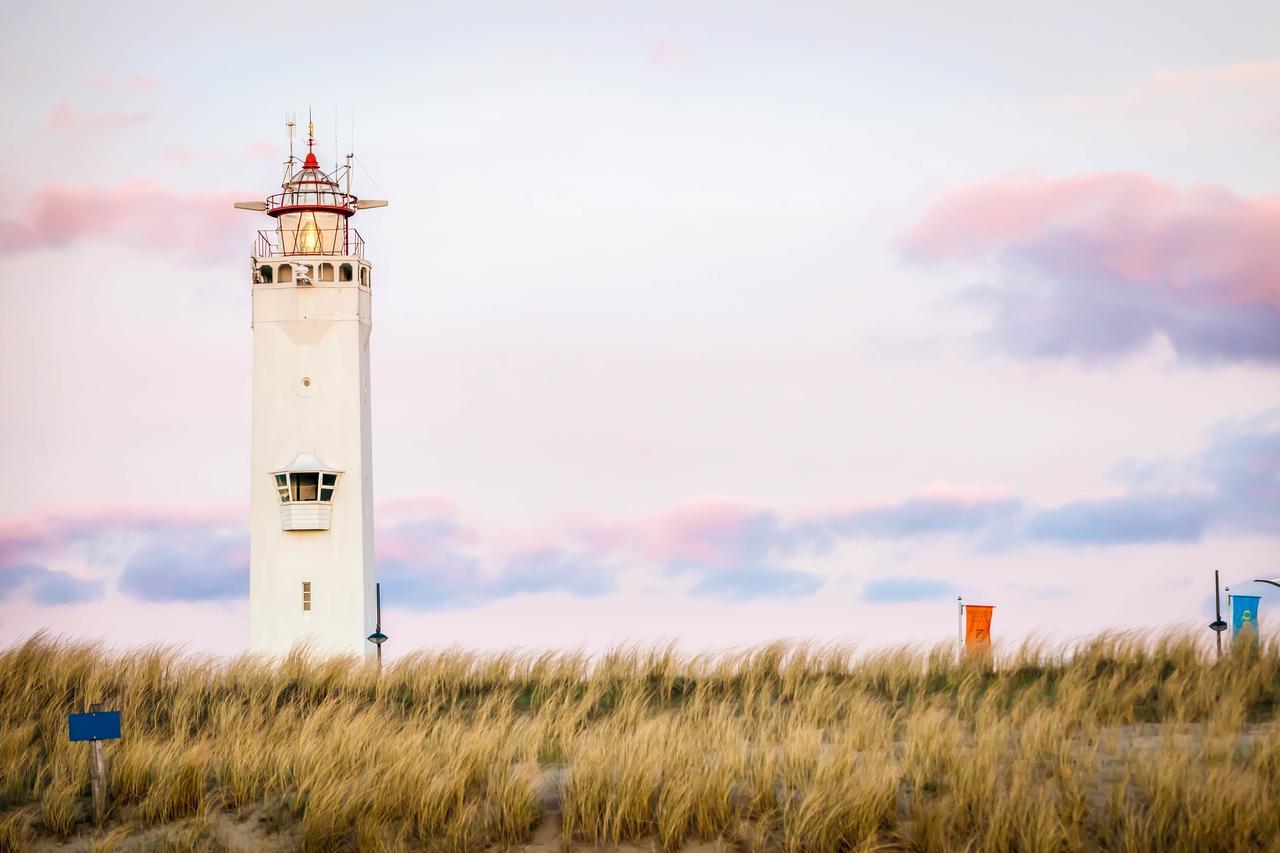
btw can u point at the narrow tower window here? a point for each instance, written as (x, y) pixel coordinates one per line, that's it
(326, 272)
(264, 272)
(344, 272)
(306, 596)
(286, 273)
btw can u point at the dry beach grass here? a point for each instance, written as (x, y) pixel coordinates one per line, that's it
(1122, 742)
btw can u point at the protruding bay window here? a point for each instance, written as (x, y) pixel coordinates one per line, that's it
(305, 489)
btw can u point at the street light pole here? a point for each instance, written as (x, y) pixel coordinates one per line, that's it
(377, 637)
(1217, 625)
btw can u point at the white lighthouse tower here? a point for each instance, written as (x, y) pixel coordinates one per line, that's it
(311, 576)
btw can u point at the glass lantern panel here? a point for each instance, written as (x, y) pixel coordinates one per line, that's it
(311, 232)
(282, 479)
(328, 479)
(304, 486)
(326, 494)
(288, 227)
(330, 225)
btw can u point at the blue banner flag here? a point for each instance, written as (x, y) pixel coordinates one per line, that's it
(96, 725)
(1244, 614)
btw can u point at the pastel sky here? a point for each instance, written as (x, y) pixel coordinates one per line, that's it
(715, 322)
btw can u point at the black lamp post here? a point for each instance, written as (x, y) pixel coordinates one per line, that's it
(377, 637)
(1217, 625)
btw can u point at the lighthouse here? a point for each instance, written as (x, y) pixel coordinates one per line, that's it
(311, 576)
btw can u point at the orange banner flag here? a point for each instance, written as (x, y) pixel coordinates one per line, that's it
(977, 625)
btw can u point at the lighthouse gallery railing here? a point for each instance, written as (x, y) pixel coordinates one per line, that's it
(346, 242)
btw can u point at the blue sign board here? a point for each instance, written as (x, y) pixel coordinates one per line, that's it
(98, 725)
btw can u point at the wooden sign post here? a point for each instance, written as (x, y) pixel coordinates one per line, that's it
(96, 726)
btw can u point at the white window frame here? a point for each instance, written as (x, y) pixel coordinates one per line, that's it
(326, 482)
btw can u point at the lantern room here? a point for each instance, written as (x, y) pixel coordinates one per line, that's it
(312, 208)
(311, 212)
(305, 488)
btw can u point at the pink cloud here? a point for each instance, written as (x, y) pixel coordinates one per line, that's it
(143, 214)
(1132, 226)
(432, 558)
(64, 117)
(1100, 263)
(963, 493)
(708, 531)
(1230, 102)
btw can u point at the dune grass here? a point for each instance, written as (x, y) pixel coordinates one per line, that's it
(1122, 742)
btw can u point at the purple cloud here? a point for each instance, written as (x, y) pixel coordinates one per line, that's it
(1127, 519)
(429, 558)
(1243, 463)
(1233, 486)
(896, 590)
(47, 586)
(189, 565)
(928, 517)
(160, 554)
(463, 582)
(1096, 266)
(756, 582)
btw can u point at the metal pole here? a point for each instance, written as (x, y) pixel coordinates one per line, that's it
(960, 622)
(98, 773)
(377, 637)
(1231, 613)
(1217, 610)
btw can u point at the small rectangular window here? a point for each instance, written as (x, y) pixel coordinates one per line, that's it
(328, 479)
(326, 495)
(306, 596)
